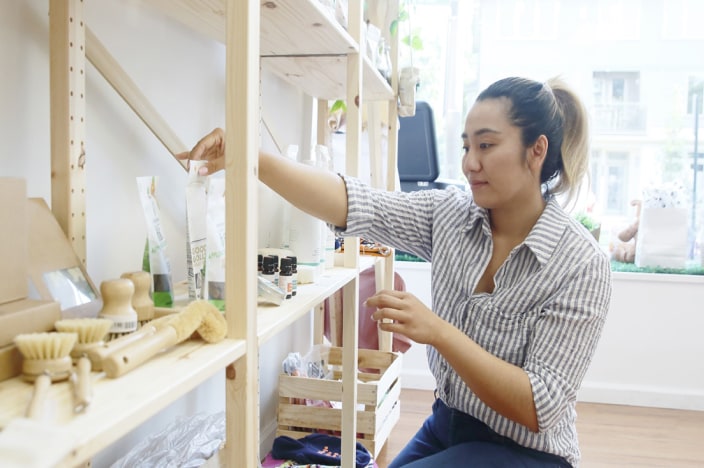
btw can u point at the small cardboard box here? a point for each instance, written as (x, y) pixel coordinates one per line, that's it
(10, 362)
(378, 390)
(26, 316)
(13, 240)
(55, 271)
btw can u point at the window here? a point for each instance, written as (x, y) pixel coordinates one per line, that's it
(637, 64)
(617, 106)
(695, 94)
(528, 19)
(682, 19)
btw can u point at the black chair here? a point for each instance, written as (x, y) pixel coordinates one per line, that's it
(418, 167)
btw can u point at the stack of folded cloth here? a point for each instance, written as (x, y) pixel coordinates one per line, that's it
(312, 451)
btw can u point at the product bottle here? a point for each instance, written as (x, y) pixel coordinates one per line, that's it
(268, 269)
(294, 275)
(285, 277)
(304, 234)
(327, 235)
(276, 268)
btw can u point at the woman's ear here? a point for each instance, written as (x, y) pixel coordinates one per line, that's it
(537, 152)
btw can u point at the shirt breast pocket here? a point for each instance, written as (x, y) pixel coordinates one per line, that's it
(501, 331)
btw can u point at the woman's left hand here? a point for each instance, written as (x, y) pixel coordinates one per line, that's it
(407, 314)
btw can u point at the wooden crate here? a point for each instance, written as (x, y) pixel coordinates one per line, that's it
(378, 390)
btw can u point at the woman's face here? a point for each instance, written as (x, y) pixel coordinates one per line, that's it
(500, 170)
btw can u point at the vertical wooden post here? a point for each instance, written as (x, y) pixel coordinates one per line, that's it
(68, 151)
(241, 164)
(355, 101)
(385, 338)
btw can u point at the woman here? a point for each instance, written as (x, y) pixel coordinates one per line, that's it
(520, 289)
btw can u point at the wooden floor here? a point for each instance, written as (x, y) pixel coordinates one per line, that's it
(610, 435)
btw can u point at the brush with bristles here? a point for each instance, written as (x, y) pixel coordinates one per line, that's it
(97, 354)
(141, 301)
(46, 359)
(91, 333)
(197, 316)
(117, 306)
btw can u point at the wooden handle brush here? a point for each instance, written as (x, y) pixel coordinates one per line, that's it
(117, 306)
(82, 385)
(98, 354)
(142, 303)
(91, 332)
(35, 409)
(178, 328)
(46, 359)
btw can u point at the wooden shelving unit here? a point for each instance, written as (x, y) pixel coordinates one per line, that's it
(300, 41)
(120, 405)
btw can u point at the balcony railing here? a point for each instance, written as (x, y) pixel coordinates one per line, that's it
(619, 118)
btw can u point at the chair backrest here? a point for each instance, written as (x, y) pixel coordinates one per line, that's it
(417, 146)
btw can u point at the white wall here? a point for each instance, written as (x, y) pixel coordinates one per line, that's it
(182, 74)
(650, 353)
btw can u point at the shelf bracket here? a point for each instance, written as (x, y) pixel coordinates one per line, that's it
(116, 76)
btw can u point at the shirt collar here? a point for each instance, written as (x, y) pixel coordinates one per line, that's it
(542, 240)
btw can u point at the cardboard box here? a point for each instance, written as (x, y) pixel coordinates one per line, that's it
(26, 316)
(55, 271)
(13, 240)
(10, 362)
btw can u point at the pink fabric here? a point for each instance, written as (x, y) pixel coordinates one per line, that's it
(368, 333)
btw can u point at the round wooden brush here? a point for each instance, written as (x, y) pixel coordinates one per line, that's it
(91, 333)
(117, 306)
(46, 359)
(141, 301)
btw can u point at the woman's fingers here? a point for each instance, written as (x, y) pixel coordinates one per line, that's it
(210, 148)
(388, 304)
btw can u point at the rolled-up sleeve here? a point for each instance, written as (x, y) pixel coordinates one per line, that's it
(565, 338)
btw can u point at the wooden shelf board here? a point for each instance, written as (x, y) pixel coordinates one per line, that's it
(121, 404)
(299, 41)
(301, 27)
(271, 319)
(326, 77)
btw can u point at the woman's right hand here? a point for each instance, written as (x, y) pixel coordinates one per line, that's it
(210, 148)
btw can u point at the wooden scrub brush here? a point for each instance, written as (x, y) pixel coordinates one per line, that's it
(141, 301)
(91, 333)
(97, 354)
(46, 359)
(200, 315)
(117, 306)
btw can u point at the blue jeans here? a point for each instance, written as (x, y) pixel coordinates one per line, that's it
(452, 438)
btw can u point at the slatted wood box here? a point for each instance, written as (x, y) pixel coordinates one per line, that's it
(378, 391)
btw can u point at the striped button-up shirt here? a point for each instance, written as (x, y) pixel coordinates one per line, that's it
(545, 314)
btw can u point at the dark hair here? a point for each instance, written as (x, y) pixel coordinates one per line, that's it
(553, 110)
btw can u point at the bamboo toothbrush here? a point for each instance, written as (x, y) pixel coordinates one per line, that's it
(181, 326)
(91, 332)
(46, 359)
